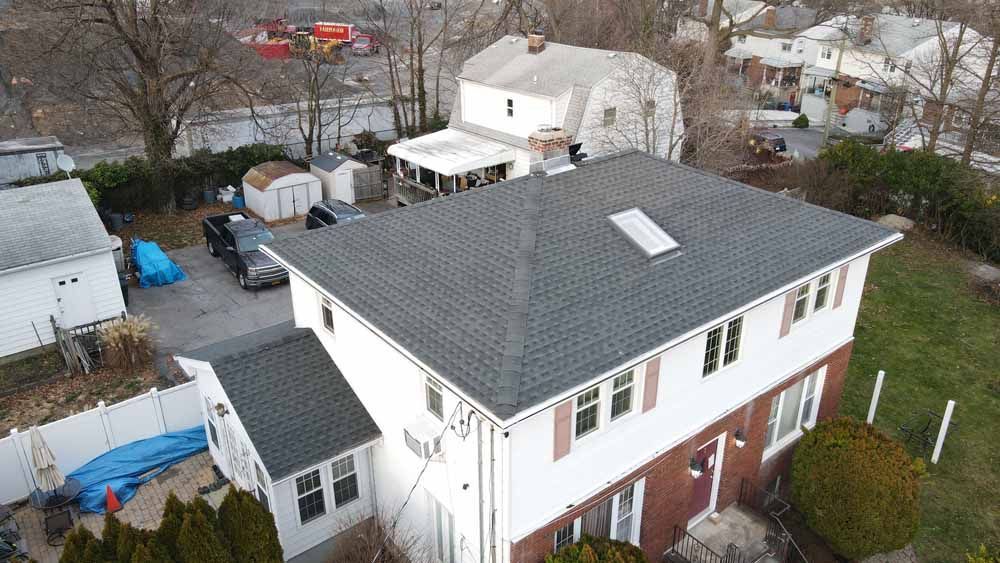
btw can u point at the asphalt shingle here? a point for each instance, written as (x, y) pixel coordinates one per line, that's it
(46, 222)
(446, 279)
(294, 403)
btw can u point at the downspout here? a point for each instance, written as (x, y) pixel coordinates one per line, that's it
(479, 475)
(493, 508)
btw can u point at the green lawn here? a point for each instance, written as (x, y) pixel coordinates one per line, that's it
(936, 341)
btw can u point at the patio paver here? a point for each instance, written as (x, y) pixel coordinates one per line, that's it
(144, 510)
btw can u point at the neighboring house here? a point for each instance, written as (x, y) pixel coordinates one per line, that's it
(55, 260)
(26, 158)
(876, 53)
(557, 355)
(735, 13)
(284, 424)
(769, 58)
(336, 173)
(280, 190)
(524, 101)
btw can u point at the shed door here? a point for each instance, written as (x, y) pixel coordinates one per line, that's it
(286, 203)
(73, 297)
(300, 194)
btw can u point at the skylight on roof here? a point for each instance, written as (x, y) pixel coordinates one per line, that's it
(641, 231)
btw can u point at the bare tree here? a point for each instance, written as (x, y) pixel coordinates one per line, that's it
(363, 540)
(145, 64)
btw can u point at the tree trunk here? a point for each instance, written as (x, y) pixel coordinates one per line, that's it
(947, 70)
(712, 39)
(976, 118)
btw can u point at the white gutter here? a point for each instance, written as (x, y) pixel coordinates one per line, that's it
(349, 451)
(444, 381)
(23, 267)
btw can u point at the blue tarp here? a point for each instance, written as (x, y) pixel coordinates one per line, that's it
(154, 266)
(121, 467)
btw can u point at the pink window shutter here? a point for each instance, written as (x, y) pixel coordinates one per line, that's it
(786, 315)
(561, 438)
(650, 384)
(841, 283)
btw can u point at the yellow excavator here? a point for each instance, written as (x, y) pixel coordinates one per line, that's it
(305, 45)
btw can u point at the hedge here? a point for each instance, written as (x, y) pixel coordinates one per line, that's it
(134, 184)
(936, 191)
(857, 488)
(241, 532)
(598, 550)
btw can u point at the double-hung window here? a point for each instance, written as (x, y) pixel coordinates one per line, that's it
(510, 107)
(564, 536)
(792, 409)
(626, 500)
(822, 292)
(786, 47)
(327, 314)
(213, 432)
(262, 488)
(345, 481)
(801, 303)
(826, 53)
(309, 491)
(610, 116)
(621, 394)
(588, 411)
(722, 346)
(434, 397)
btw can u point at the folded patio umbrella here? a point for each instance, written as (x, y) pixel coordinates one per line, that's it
(49, 476)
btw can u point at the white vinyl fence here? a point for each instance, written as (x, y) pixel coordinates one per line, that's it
(77, 439)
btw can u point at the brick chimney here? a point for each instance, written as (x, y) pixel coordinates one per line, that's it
(771, 17)
(550, 141)
(702, 9)
(536, 42)
(866, 32)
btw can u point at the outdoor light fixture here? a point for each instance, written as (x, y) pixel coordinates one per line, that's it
(740, 438)
(696, 468)
(221, 410)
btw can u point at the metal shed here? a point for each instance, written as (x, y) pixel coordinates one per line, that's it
(279, 190)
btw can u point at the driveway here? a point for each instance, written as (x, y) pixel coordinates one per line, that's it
(209, 305)
(805, 141)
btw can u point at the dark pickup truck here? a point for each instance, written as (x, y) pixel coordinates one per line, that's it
(237, 238)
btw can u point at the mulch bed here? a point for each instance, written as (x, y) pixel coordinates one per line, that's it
(22, 372)
(73, 394)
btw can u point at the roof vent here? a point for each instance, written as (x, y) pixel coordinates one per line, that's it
(639, 229)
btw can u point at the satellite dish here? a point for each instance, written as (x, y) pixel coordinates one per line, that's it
(66, 164)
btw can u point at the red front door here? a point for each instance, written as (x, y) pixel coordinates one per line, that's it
(702, 495)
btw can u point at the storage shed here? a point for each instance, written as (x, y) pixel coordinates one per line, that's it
(25, 158)
(336, 172)
(284, 424)
(279, 190)
(55, 259)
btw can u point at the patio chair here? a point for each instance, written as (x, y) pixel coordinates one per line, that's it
(10, 552)
(56, 526)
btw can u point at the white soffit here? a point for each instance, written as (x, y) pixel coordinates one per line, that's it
(641, 231)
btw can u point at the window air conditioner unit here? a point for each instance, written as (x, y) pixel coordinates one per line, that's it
(423, 438)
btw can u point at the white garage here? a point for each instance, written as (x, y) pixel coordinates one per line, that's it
(279, 190)
(55, 261)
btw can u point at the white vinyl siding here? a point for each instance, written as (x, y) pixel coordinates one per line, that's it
(29, 298)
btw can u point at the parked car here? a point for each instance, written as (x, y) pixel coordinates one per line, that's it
(236, 238)
(365, 44)
(331, 212)
(769, 141)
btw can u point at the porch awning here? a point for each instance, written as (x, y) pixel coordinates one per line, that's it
(451, 152)
(737, 53)
(775, 62)
(873, 86)
(819, 71)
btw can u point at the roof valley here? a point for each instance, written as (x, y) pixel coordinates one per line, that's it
(517, 316)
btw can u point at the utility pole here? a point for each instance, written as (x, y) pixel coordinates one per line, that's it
(833, 95)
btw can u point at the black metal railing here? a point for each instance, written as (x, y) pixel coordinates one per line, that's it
(686, 548)
(777, 537)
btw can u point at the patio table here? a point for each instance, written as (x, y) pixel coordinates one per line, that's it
(56, 498)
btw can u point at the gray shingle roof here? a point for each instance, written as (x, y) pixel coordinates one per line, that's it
(507, 64)
(894, 35)
(294, 403)
(461, 282)
(46, 222)
(331, 162)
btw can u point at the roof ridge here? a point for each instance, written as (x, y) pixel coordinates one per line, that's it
(506, 394)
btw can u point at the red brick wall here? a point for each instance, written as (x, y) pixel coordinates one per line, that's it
(668, 483)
